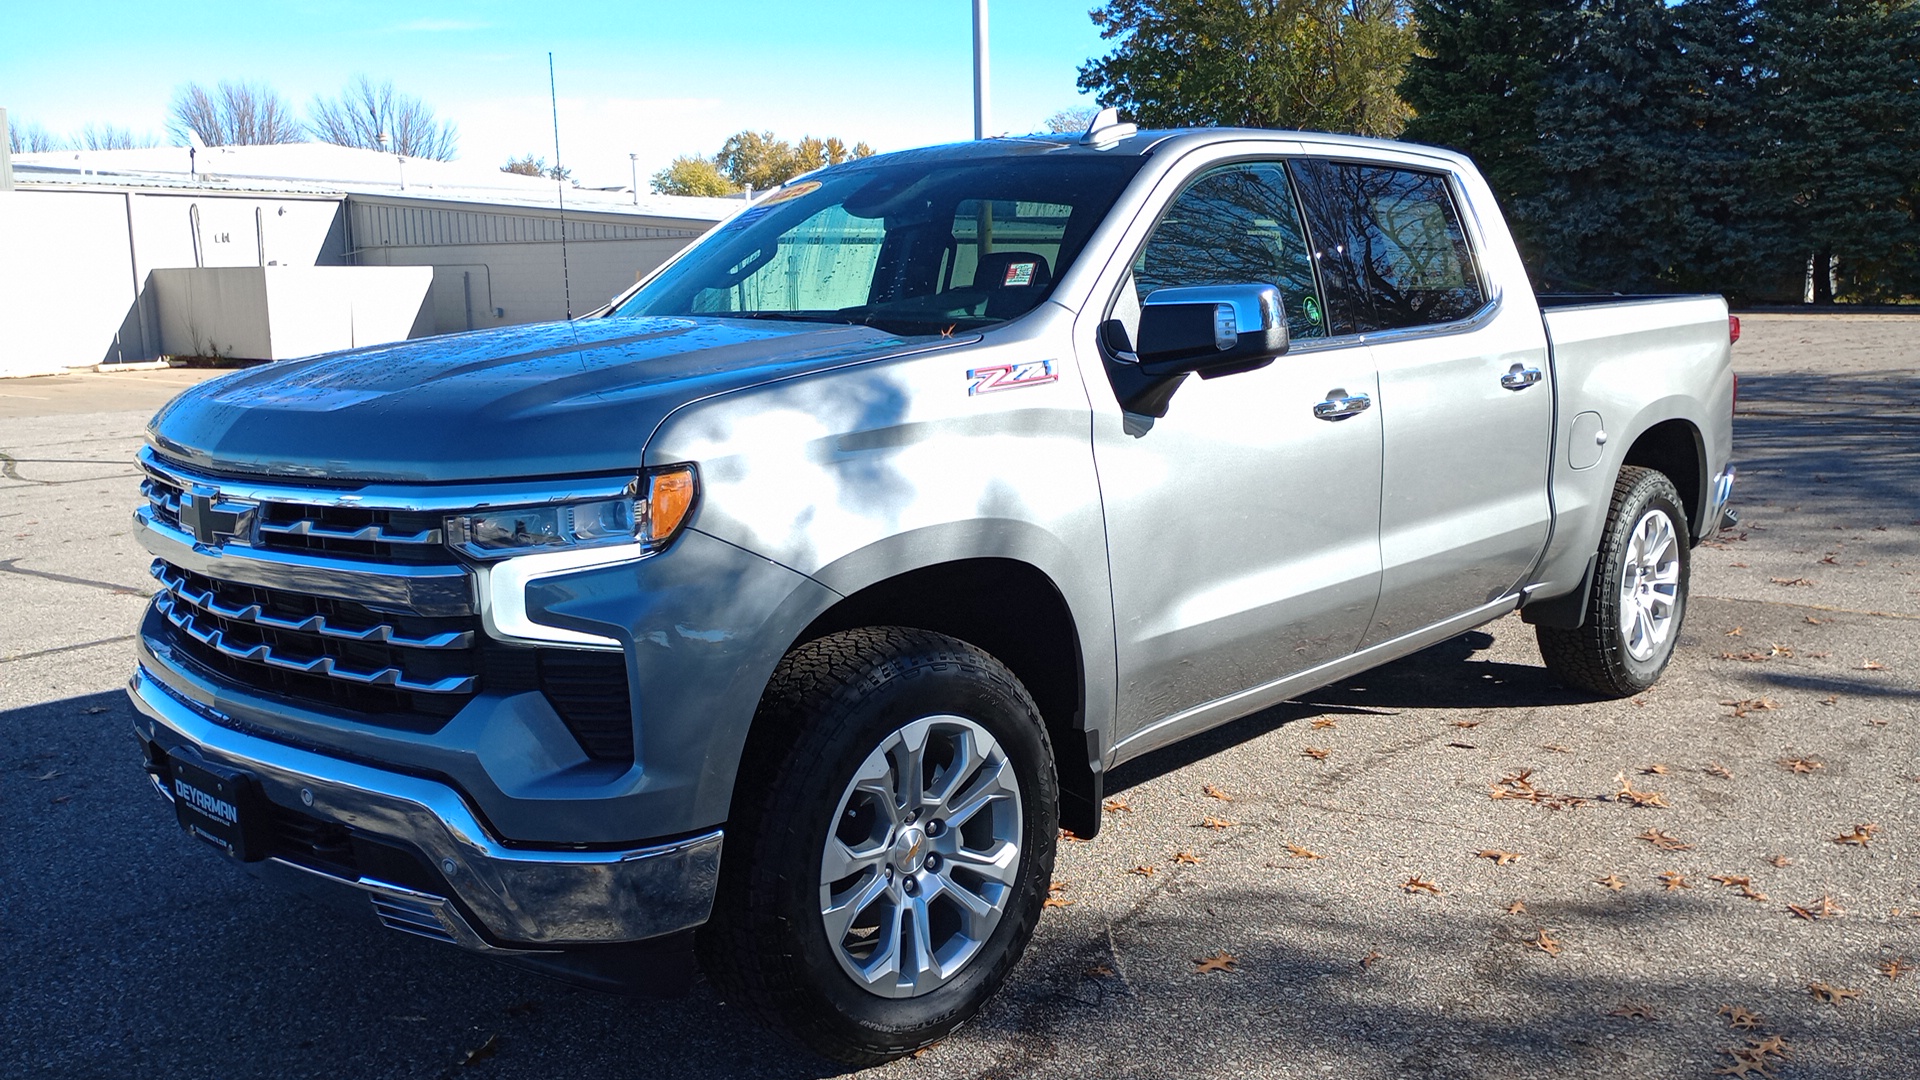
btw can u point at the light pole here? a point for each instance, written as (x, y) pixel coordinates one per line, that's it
(634, 161)
(980, 95)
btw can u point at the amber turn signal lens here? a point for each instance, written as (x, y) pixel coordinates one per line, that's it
(669, 500)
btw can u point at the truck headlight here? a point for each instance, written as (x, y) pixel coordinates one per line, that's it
(651, 515)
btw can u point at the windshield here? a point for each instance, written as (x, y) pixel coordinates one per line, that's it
(910, 247)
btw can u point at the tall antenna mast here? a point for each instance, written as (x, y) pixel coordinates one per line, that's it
(980, 89)
(560, 186)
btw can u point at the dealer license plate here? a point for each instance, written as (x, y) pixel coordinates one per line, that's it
(217, 804)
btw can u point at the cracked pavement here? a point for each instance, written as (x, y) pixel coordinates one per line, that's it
(1790, 718)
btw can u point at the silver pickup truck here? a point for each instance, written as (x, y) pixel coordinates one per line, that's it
(785, 611)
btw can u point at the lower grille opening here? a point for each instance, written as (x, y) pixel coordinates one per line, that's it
(589, 690)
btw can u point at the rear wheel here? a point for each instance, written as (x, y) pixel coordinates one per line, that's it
(1639, 596)
(890, 846)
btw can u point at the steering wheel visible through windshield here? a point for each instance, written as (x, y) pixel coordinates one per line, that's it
(916, 245)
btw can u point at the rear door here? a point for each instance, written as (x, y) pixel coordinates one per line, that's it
(1466, 397)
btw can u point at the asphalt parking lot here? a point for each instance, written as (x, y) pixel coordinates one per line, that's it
(1370, 907)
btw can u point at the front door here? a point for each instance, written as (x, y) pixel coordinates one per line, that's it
(1243, 528)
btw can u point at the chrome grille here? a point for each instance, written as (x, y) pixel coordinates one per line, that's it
(179, 586)
(164, 497)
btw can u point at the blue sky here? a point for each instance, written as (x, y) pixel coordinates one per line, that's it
(649, 77)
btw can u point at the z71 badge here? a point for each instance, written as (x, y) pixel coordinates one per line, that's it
(1011, 376)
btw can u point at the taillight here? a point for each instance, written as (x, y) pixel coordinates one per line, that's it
(1733, 329)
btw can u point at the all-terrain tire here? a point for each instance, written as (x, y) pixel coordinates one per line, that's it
(1625, 643)
(833, 708)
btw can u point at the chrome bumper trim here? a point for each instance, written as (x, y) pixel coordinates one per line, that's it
(422, 590)
(526, 899)
(1720, 516)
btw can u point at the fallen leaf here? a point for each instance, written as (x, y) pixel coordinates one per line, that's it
(1823, 908)
(1736, 631)
(1299, 852)
(1801, 765)
(1315, 753)
(1634, 1010)
(1056, 901)
(1746, 1060)
(1555, 747)
(1500, 858)
(1070, 837)
(1663, 841)
(1211, 822)
(1212, 792)
(1742, 1018)
(1516, 908)
(1323, 723)
(1731, 881)
(1860, 836)
(1187, 857)
(1414, 884)
(1752, 893)
(97, 709)
(1833, 699)
(1654, 770)
(1719, 770)
(1628, 794)
(1611, 881)
(1822, 655)
(1467, 723)
(1831, 995)
(1872, 665)
(1098, 971)
(1545, 944)
(1058, 886)
(1799, 581)
(1674, 879)
(48, 776)
(1742, 708)
(1781, 650)
(1780, 861)
(1895, 967)
(1749, 656)
(482, 1052)
(1814, 622)
(1219, 961)
(1371, 958)
(1142, 870)
(1116, 806)
(1462, 746)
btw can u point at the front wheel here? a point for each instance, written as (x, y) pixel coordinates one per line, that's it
(1639, 594)
(890, 846)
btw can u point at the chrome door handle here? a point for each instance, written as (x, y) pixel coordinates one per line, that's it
(1519, 378)
(1339, 405)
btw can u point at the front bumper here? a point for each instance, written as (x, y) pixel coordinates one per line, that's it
(475, 891)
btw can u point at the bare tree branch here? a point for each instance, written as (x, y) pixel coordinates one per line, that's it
(233, 113)
(364, 112)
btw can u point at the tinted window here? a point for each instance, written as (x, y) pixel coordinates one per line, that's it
(906, 244)
(1236, 225)
(1388, 246)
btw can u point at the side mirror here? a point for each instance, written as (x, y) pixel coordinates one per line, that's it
(1210, 330)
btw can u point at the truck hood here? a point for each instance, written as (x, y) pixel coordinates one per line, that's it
(549, 399)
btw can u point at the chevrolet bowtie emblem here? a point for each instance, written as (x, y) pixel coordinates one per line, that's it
(210, 520)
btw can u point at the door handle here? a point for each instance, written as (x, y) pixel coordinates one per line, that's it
(1339, 405)
(1519, 377)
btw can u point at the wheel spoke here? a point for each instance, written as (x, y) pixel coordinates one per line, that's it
(966, 758)
(990, 784)
(841, 860)
(999, 863)
(839, 913)
(909, 764)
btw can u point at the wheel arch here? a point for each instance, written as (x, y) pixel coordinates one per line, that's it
(1675, 447)
(971, 599)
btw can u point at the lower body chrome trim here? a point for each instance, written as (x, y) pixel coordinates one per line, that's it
(520, 899)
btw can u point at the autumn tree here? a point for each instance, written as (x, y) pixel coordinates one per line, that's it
(535, 166)
(758, 160)
(1325, 65)
(233, 113)
(693, 175)
(378, 117)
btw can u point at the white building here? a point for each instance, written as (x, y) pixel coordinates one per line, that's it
(266, 252)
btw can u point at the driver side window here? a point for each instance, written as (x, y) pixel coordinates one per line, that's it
(1235, 225)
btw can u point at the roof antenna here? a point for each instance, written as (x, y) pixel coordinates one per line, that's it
(560, 186)
(1106, 129)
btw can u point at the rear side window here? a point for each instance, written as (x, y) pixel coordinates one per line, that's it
(1236, 225)
(1388, 245)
